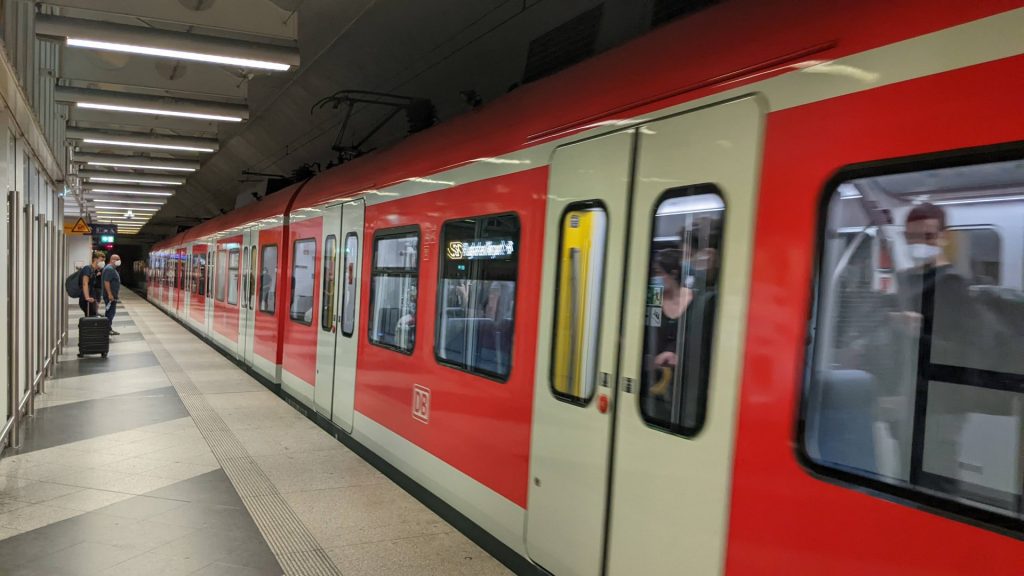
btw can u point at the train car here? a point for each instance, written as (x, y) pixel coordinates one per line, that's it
(743, 296)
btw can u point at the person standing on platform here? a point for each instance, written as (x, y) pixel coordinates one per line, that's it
(88, 276)
(111, 290)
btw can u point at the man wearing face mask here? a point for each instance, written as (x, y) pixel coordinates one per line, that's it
(933, 298)
(111, 289)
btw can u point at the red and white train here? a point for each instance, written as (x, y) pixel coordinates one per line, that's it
(647, 316)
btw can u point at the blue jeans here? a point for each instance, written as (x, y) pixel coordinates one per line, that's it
(111, 310)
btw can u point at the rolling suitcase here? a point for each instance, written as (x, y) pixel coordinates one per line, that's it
(93, 336)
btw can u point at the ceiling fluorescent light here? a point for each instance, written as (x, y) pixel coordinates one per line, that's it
(105, 207)
(130, 192)
(146, 145)
(133, 181)
(112, 201)
(140, 166)
(178, 54)
(157, 111)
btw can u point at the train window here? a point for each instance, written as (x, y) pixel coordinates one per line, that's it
(393, 285)
(476, 299)
(252, 276)
(327, 292)
(350, 273)
(303, 281)
(222, 275)
(245, 278)
(578, 302)
(916, 383)
(200, 268)
(268, 279)
(682, 295)
(233, 276)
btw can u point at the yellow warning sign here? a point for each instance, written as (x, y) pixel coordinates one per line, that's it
(81, 227)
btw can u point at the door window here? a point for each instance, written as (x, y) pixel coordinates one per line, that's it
(268, 279)
(916, 384)
(327, 292)
(252, 276)
(233, 262)
(351, 277)
(393, 289)
(222, 275)
(578, 302)
(245, 279)
(303, 274)
(681, 299)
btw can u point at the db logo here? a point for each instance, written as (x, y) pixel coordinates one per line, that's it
(421, 403)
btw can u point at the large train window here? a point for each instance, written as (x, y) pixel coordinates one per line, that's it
(350, 273)
(393, 289)
(222, 275)
(233, 263)
(303, 285)
(268, 279)
(916, 382)
(477, 294)
(578, 301)
(682, 295)
(327, 293)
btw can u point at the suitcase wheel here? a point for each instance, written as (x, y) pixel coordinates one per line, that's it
(103, 355)
(80, 355)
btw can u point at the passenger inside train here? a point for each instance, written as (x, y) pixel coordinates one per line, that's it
(915, 376)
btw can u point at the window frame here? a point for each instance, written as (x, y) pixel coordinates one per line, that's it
(572, 207)
(259, 288)
(917, 497)
(396, 232)
(344, 285)
(291, 288)
(440, 296)
(331, 241)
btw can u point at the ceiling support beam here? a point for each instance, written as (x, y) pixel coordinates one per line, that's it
(153, 105)
(135, 140)
(137, 162)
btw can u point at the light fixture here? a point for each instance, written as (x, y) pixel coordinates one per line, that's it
(140, 166)
(178, 54)
(157, 112)
(112, 201)
(112, 180)
(146, 145)
(105, 207)
(130, 192)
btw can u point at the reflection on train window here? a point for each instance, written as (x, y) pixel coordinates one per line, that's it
(350, 274)
(268, 279)
(917, 381)
(245, 278)
(393, 290)
(303, 281)
(233, 276)
(222, 275)
(199, 268)
(476, 299)
(327, 293)
(578, 301)
(682, 293)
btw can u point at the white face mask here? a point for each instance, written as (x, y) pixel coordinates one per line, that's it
(116, 263)
(103, 263)
(924, 253)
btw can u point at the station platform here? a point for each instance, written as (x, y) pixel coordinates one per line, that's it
(165, 458)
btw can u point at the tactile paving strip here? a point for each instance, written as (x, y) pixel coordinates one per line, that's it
(296, 549)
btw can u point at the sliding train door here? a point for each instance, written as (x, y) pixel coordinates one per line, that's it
(634, 416)
(334, 393)
(247, 311)
(326, 340)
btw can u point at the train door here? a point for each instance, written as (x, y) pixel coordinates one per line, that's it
(248, 311)
(654, 478)
(187, 283)
(347, 317)
(323, 391)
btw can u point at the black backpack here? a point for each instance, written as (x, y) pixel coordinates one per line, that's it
(73, 285)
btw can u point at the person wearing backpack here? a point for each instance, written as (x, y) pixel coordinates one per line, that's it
(89, 280)
(111, 289)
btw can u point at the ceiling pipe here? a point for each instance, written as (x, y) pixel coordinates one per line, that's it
(133, 140)
(153, 105)
(135, 162)
(109, 36)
